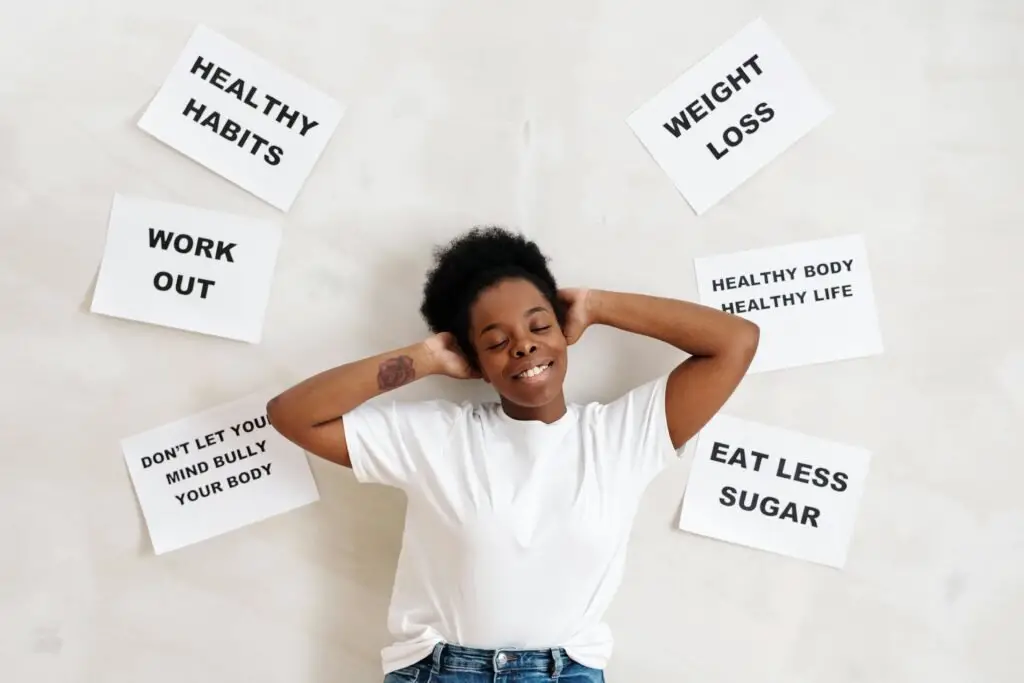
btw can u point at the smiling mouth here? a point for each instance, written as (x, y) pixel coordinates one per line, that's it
(534, 372)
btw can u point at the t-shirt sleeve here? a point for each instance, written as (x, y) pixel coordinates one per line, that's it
(393, 443)
(635, 429)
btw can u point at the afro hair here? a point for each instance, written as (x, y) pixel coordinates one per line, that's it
(472, 262)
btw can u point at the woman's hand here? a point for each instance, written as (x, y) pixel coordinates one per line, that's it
(447, 358)
(579, 315)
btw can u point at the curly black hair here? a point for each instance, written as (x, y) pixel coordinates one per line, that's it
(471, 263)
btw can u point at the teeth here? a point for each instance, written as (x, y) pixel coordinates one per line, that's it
(533, 372)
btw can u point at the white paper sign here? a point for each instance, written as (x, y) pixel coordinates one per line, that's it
(186, 267)
(774, 489)
(242, 117)
(729, 116)
(813, 300)
(215, 472)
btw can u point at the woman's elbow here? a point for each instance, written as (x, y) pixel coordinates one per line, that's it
(746, 341)
(274, 416)
(281, 421)
(754, 334)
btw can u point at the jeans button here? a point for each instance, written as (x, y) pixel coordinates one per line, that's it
(502, 658)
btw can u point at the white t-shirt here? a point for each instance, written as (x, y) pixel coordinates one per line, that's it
(515, 531)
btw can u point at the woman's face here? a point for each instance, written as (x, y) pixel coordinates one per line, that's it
(519, 343)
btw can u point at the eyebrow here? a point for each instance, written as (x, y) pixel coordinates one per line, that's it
(535, 309)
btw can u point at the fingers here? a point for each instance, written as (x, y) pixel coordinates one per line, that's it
(469, 372)
(573, 331)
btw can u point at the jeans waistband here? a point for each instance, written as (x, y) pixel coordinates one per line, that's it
(447, 657)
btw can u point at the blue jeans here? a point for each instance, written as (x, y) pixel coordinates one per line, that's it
(458, 664)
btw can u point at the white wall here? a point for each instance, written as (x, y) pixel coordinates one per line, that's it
(514, 112)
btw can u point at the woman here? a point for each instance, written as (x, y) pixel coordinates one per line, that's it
(519, 510)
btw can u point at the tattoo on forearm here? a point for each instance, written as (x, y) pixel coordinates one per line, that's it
(394, 372)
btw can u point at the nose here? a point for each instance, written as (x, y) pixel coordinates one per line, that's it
(523, 348)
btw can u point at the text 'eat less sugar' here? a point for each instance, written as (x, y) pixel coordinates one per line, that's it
(771, 506)
(250, 95)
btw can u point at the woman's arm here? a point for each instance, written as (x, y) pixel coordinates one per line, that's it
(721, 347)
(309, 414)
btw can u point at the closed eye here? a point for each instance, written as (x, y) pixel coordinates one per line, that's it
(503, 342)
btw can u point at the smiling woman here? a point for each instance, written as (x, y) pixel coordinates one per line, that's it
(530, 497)
(520, 348)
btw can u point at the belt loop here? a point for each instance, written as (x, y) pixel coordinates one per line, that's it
(435, 670)
(556, 663)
